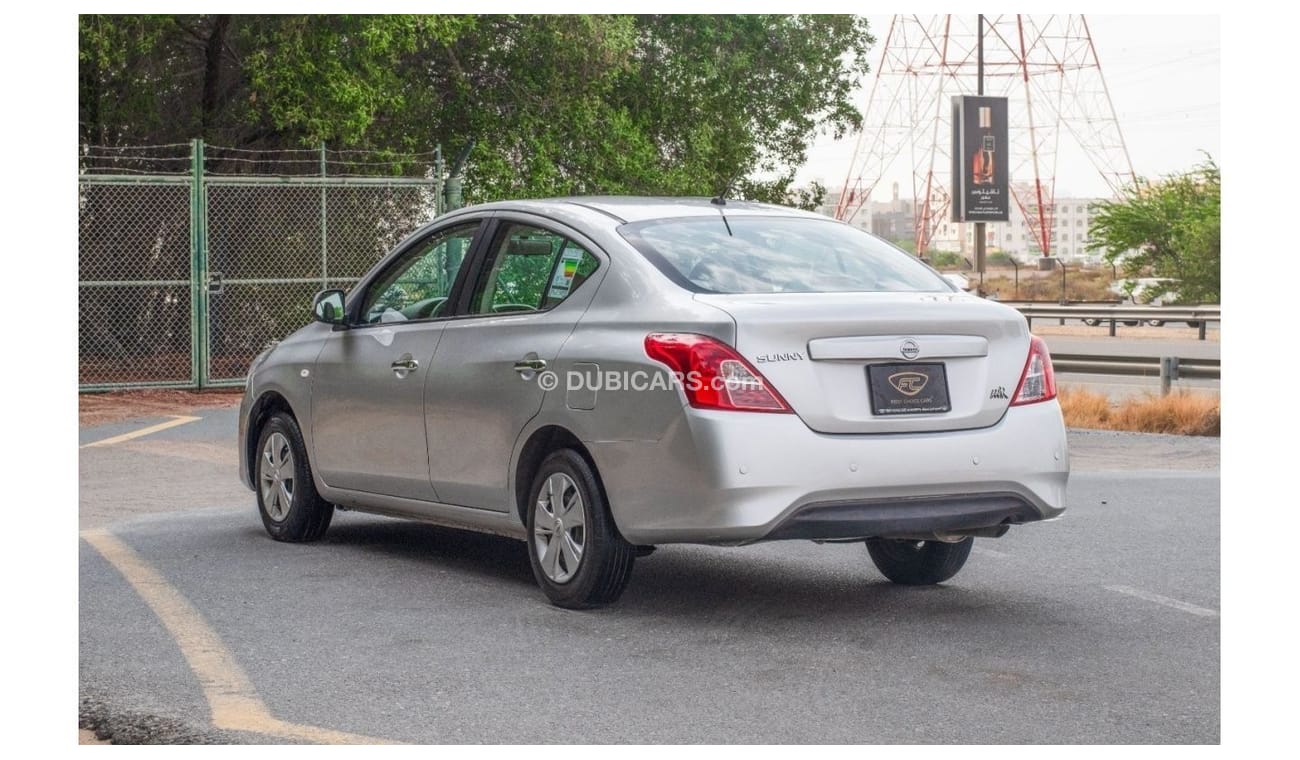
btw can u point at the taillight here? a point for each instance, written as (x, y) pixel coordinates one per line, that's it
(713, 375)
(1037, 382)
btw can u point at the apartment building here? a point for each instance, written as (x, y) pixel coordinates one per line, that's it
(1071, 220)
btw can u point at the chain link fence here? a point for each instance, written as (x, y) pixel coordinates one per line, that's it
(134, 289)
(186, 273)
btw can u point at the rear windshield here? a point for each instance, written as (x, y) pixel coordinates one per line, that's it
(778, 255)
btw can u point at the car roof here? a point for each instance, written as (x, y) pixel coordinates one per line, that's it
(638, 209)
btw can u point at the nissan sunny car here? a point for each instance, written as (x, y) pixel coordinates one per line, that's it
(598, 376)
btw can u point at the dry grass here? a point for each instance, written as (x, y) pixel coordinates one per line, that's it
(1179, 413)
(1080, 284)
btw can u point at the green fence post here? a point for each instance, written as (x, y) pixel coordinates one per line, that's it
(324, 226)
(198, 269)
(205, 303)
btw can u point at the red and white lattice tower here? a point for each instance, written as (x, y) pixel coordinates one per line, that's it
(1047, 68)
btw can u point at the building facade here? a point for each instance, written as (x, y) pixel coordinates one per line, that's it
(1071, 222)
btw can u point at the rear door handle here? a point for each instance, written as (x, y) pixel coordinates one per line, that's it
(530, 365)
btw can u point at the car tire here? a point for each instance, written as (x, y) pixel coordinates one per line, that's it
(918, 563)
(291, 508)
(1132, 322)
(578, 556)
(1194, 324)
(1156, 322)
(1092, 322)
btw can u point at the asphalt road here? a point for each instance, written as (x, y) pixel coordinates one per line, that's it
(1099, 627)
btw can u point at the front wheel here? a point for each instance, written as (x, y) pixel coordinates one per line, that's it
(1091, 322)
(286, 494)
(918, 563)
(578, 556)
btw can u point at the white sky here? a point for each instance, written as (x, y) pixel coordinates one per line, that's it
(1163, 75)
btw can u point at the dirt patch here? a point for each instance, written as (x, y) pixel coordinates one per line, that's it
(101, 408)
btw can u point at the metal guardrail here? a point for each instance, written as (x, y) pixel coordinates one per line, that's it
(1167, 368)
(1195, 316)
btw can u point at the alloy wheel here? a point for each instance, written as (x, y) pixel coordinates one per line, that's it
(277, 476)
(559, 528)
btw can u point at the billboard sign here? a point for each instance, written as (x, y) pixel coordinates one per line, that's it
(981, 189)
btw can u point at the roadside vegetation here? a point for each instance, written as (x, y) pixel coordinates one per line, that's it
(1179, 413)
(1167, 229)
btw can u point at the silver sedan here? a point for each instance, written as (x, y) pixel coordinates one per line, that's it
(596, 376)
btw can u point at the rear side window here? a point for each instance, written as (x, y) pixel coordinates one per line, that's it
(531, 269)
(777, 255)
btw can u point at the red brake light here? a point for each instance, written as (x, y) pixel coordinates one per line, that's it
(713, 375)
(1037, 381)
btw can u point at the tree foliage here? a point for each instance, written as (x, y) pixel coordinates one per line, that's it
(674, 105)
(1169, 230)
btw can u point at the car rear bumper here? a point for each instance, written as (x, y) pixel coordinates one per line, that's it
(917, 517)
(731, 478)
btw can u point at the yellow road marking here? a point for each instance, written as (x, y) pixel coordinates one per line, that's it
(173, 422)
(230, 694)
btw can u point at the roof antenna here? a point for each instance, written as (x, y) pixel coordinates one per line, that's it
(720, 200)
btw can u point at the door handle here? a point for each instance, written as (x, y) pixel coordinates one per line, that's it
(404, 366)
(530, 365)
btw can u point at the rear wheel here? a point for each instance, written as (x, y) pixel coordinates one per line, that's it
(1155, 322)
(918, 563)
(1091, 322)
(286, 494)
(578, 556)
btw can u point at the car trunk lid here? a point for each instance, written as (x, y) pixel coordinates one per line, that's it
(816, 348)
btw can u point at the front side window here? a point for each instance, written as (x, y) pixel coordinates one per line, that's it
(777, 255)
(531, 269)
(418, 286)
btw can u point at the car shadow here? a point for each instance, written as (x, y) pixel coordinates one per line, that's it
(715, 586)
(742, 588)
(462, 550)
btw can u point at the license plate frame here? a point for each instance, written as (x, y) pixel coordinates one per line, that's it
(908, 388)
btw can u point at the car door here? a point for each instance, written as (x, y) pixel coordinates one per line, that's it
(484, 385)
(368, 426)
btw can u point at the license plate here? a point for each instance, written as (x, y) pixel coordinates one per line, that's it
(908, 388)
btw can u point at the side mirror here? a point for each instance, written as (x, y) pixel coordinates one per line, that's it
(328, 307)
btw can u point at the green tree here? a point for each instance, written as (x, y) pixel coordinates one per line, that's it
(1168, 229)
(557, 104)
